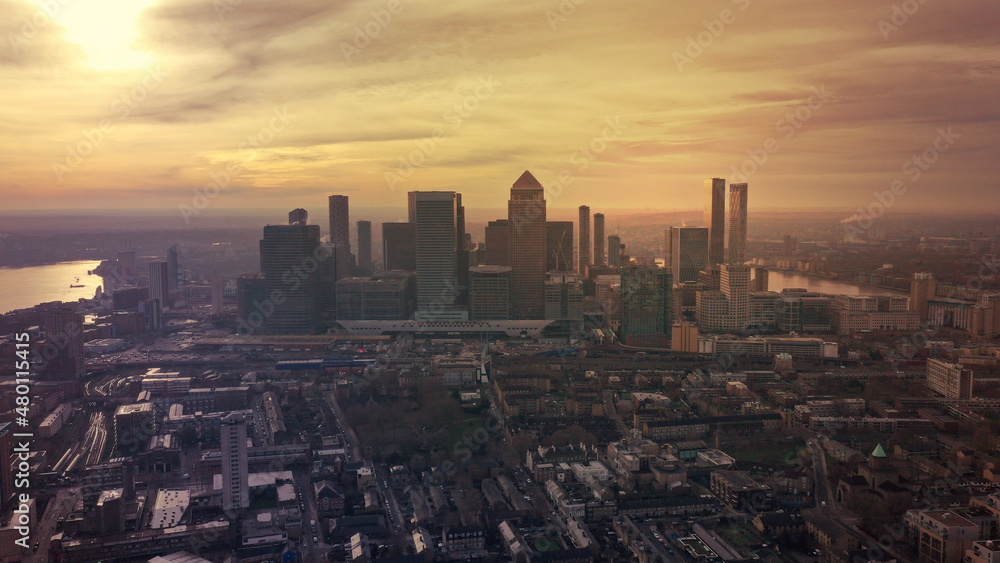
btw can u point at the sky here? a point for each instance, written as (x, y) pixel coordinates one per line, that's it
(254, 104)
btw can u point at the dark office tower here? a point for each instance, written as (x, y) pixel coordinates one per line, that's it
(759, 280)
(615, 251)
(399, 246)
(298, 217)
(290, 259)
(159, 286)
(63, 351)
(436, 215)
(715, 218)
(463, 254)
(250, 296)
(526, 223)
(489, 293)
(599, 256)
(126, 260)
(688, 252)
(737, 223)
(364, 248)
(647, 306)
(584, 245)
(6, 475)
(340, 221)
(173, 278)
(559, 247)
(497, 247)
(336, 263)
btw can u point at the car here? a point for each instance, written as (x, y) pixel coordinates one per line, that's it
(186, 476)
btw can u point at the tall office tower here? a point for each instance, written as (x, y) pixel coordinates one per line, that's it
(291, 259)
(734, 283)
(647, 315)
(715, 218)
(336, 264)
(340, 221)
(559, 246)
(599, 255)
(497, 243)
(737, 223)
(759, 280)
(6, 474)
(684, 337)
(399, 246)
(364, 248)
(564, 297)
(688, 252)
(615, 251)
(298, 216)
(436, 215)
(250, 296)
(218, 290)
(463, 254)
(173, 279)
(159, 285)
(235, 484)
(490, 296)
(584, 245)
(923, 287)
(126, 259)
(526, 223)
(951, 380)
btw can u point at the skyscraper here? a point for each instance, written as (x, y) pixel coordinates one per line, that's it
(364, 248)
(291, 259)
(615, 251)
(436, 215)
(527, 239)
(399, 246)
(497, 243)
(490, 293)
(599, 256)
(737, 223)
(217, 295)
(923, 288)
(250, 294)
(159, 285)
(340, 221)
(715, 218)
(584, 245)
(688, 252)
(235, 483)
(559, 246)
(735, 285)
(297, 216)
(647, 315)
(173, 278)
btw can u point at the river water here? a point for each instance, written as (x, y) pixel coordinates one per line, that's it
(21, 288)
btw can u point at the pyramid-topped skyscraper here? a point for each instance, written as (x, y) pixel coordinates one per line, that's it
(527, 243)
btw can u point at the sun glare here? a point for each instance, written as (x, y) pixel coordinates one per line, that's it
(105, 29)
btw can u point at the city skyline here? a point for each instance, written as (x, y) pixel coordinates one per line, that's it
(201, 83)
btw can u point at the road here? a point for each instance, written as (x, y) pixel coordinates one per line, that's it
(612, 412)
(59, 507)
(823, 495)
(389, 497)
(351, 448)
(319, 548)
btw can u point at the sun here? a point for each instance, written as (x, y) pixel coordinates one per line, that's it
(104, 29)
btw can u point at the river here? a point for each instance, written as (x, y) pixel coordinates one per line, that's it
(21, 288)
(778, 280)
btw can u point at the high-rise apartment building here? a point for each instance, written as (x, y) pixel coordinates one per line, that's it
(437, 216)
(615, 251)
(399, 246)
(235, 482)
(951, 380)
(490, 295)
(584, 244)
(559, 248)
(688, 252)
(734, 283)
(159, 285)
(527, 239)
(340, 221)
(599, 255)
(364, 248)
(291, 259)
(715, 218)
(737, 223)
